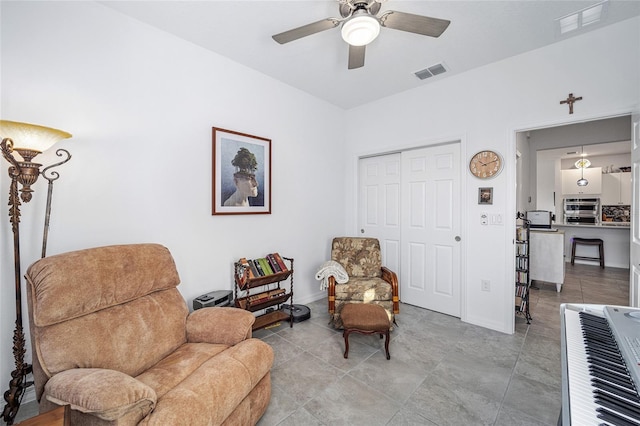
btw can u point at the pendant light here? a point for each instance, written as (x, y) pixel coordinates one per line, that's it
(582, 181)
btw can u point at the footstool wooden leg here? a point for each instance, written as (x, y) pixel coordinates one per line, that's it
(346, 343)
(386, 344)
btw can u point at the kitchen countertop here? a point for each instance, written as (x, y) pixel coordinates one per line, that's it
(614, 225)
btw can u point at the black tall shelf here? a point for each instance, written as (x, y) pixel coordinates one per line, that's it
(523, 280)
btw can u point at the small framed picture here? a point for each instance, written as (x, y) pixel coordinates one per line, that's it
(241, 173)
(485, 195)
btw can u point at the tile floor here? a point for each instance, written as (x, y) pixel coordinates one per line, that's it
(442, 371)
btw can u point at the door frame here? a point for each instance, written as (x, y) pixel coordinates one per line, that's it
(511, 194)
(427, 143)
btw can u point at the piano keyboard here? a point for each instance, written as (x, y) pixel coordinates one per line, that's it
(598, 343)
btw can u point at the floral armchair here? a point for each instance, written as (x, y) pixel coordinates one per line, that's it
(369, 281)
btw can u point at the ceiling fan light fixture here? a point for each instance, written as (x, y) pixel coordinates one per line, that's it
(360, 30)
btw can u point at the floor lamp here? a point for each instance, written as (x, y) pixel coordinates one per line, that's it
(28, 140)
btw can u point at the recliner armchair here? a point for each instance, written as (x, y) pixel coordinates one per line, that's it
(369, 281)
(113, 338)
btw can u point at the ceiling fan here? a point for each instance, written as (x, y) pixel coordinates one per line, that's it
(360, 26)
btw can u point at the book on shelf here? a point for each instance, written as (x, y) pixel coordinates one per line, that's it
(522, 263)
(521, 234)
(244, 271)
(266, 296)
(258, 267)
(265, 266)
(522, 277)
(521, 249)
(272, 262)
(280, 262)
(254, 270)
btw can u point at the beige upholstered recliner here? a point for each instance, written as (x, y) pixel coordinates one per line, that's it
(369, 281)
(113, 338)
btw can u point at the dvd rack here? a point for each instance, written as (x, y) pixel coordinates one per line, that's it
(523, 281)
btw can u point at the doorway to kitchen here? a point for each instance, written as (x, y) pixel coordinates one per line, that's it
(550, 164)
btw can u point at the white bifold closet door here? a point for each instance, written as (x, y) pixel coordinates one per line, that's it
(411, 202)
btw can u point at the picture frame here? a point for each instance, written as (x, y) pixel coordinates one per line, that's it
(241, 173)
(485, 195)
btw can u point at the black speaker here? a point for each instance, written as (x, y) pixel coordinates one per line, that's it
(214, 299)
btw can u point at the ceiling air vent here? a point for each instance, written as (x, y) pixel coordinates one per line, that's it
(431, 71)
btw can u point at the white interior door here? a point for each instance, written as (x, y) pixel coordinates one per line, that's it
(634, 293)
(430, 228)
(379, 205)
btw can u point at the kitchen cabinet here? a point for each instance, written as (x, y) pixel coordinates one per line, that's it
(570, 181)
(546, 257)
(616, 189)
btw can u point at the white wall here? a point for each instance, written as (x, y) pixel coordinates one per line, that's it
(140, 105)
(484, 108)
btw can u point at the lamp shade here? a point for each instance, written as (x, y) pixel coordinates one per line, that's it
(360, 30)
(31, 136)
(583, 163)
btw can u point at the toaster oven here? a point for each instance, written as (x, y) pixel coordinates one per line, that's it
(540, 218)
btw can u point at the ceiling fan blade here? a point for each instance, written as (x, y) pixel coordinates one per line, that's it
(356, 56)
(306, 30)
(418, 24)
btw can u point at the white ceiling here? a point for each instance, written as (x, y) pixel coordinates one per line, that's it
(481, 32)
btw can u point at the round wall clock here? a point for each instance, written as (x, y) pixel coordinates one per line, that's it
(485, 164)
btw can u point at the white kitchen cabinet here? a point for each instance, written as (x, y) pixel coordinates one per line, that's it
(570, 181)
(616, 189)
(625, 188)
(546, 257)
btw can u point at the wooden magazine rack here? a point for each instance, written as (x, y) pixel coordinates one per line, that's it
(257, 293)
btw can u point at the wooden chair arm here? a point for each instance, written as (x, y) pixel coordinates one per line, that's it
(332, 294)
(389, 276)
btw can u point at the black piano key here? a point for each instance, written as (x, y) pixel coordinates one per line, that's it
(612, 418)
(611, 377)
(605, 352)
(620, 369)
(622, 392)
(616, 405)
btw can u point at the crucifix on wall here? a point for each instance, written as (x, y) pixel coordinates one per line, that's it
(571, 100)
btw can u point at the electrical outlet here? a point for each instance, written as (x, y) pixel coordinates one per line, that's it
(485, 285)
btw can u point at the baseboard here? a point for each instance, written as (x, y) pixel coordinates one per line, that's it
(320, 294)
